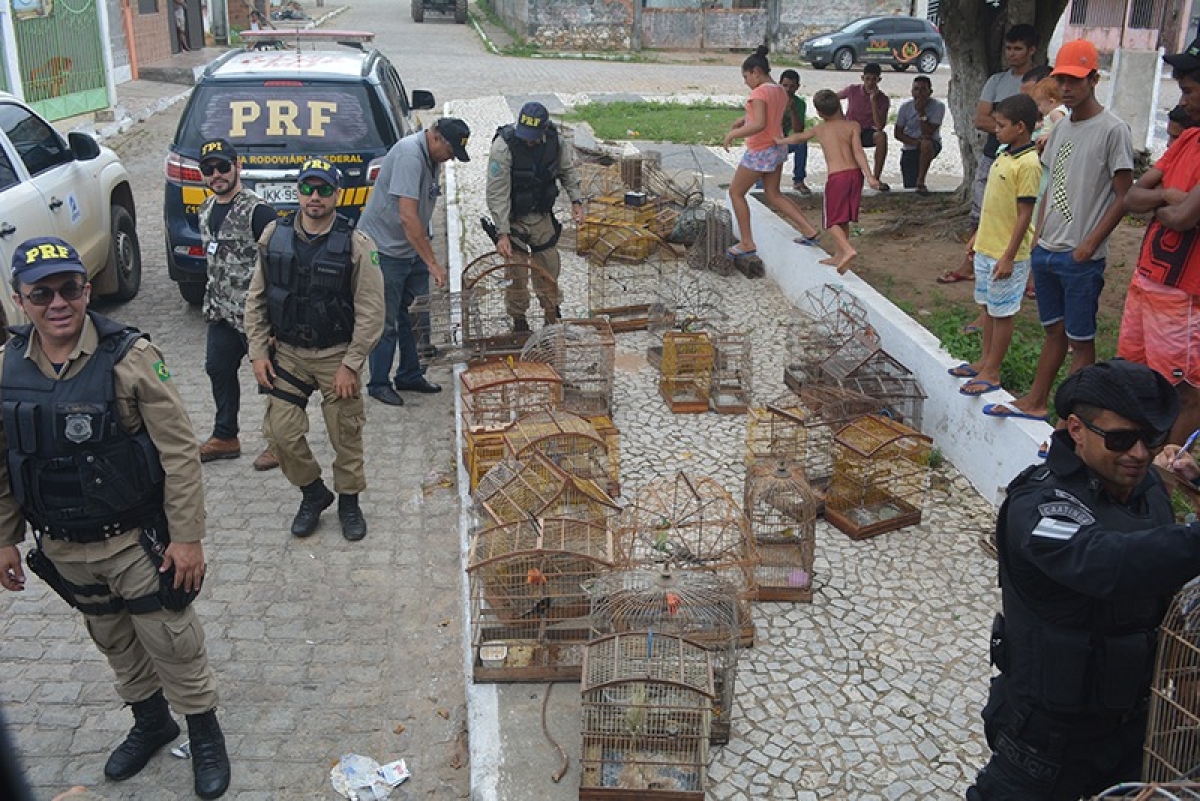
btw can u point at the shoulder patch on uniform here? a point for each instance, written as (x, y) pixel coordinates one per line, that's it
(493, 168)
(375, 257)
(160, 369)
(1051, 529)
(1069, 510)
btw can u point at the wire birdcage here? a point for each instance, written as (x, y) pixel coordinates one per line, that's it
(652, 217)
(646, 718)
(1172, 749)
(533, 486)
(437, 324)
(825, 318)
(1151, 791)
(862, 365)
(687, 367)
(880, 477)
(494, 394)
(677, 187)
(529, 612)
(501, 292)
(832, 408)
(687, 301)
(777, 431)
(567, 440)
(597, 180)
(703, 608)
(626, 267)
(583, 353)
(732, 375)
(611, 435)
(710, 250)
(782, 510)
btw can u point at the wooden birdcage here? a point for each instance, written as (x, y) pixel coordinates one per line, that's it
(614, 211)
(832, 408)
(567, 440)
(686, 300)
(710, 249)
(1172, 748)
(494, 287)
(825, 318)
(782, 510)
(732, 375)
(583, 353)
(694, 523)
(646, 719)
(437, 324)
(860, 364)
(777, 431)
(611, 435)
(701, 607)
(495, 394)
(597, 180)
(880, 477)
(533, 486)
(687, 367)
(626, 267)
(529, 612)
(481, 451)
(677, 187)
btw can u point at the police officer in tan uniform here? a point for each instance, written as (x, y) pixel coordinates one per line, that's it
(103, 464)
(317, 290)
(528, 160)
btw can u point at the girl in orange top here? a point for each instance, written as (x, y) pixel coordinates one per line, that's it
(764, 159)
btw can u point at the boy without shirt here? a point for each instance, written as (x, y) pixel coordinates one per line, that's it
(846, 165)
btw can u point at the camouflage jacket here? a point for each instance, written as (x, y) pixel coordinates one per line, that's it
(231, 263)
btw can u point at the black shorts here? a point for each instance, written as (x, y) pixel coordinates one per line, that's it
(868, 137)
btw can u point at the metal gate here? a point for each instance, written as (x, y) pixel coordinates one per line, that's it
(61, 58)
(696, 25)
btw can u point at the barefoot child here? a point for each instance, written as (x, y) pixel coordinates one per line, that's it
(846, 165)
(1004, 239)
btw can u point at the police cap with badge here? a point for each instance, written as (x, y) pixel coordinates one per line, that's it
(42, 257)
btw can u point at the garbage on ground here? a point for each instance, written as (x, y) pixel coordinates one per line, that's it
(183, 750)
(361, 778)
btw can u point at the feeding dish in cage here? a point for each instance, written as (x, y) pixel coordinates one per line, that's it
(583, 353)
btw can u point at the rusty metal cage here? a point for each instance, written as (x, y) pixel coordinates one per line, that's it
(501, 292)
(880, 477)
(782, 510)
(583, 353)
(494, 394)
(832, 408)
(646, 718)
(1172, 748)
(626, 267)
(437, 324)
(567, 440)
(533, 486)
(825, 318)
(529, 612)
(687, 368)
(732, 375)
(701, 607)
(862, 365)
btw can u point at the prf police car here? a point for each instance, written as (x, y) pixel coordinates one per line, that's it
(279, 107)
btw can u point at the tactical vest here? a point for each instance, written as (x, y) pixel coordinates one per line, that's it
(534, 183)
(310, 305)
(76, 472)
(232, 265)
(1098, 655)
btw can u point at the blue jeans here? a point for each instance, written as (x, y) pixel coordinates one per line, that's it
(1068, 290)
(226, 347)
(403, 280)
(799, 161)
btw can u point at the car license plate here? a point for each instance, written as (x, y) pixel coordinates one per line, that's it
(277, 193)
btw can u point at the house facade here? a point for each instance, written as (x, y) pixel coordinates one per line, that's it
(1132, 24)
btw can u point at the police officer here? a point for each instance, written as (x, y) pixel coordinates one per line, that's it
(103, 464)
(319, 292)
(527, 162)
(1090, 557)
(231, 220)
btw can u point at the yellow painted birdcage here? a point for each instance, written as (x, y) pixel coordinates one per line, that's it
(732, 374)
(777, 431)
(646, 715)
(501, 294)
(533, 486)
(583, 353)
(1172, 748)
(567, 440)
(860, 364)
(687, 367)
(880, 477)
(782, 510)
(529, 611)
(702, 607)
(597, 180)
(625, 270)
(495, 394)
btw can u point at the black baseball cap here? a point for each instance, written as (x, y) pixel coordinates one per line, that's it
(1188, 60)
(456, 132)
(532, 121)
(320, 168)
(218, 149)
(1129, 389)
(35, 259)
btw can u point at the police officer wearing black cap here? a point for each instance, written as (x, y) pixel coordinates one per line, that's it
(1090, 557)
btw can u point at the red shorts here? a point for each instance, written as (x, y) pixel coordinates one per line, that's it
(843, 195)
(1160, 328)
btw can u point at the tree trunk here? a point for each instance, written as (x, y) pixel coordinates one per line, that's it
(974, 34)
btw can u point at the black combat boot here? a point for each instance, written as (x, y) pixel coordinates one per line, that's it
(210, 762)
(354, 525)
(317, 498)
(153, 727)
(520, 324)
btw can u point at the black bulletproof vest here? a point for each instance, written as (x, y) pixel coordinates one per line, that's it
(310, 305)
(76, 472)
(534, 171)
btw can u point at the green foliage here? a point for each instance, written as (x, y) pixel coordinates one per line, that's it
(936, 458)
(1180, 505)
(691, 124)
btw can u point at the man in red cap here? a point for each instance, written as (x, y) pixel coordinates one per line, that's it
(1089, 157)
(1160, 326)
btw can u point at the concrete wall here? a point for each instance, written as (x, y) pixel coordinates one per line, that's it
(1132, 72)
(153, 34)
(1107, 40)
(590, 25)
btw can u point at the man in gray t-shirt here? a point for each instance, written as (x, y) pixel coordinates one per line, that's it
(1089, 158)
(397, 217)
(1020, 45)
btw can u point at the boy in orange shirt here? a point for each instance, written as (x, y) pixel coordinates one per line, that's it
(846, 165)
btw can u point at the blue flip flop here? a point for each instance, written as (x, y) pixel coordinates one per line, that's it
(734, 253)
(964, 370)
(993, 410)
(984, 388)
(810, 241)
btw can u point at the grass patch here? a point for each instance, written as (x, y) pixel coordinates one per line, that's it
(698, 124)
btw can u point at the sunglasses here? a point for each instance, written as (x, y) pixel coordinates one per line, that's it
(1122, 439)
(44, 295)
(324, 190)
(208, 168)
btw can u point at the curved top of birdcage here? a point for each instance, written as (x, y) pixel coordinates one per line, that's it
(506, 371)
(1183, 616)
(574, 539)
(550, 344)
(680, 500)
(616, 242)
(647, 656)
(676, 601)
(789, 406)
(492, 266)
(872, 433)
(530, 429)
(535, 472)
